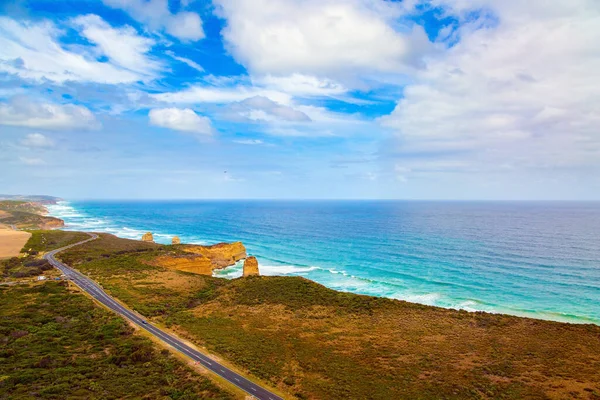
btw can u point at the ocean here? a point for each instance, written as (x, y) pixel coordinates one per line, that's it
(534, 259)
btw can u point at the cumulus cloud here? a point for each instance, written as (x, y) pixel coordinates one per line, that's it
(185, 120)
(320, 38)
(37, 140)
(21, 111)
(155, 14)
(33, 50)
(518, 90)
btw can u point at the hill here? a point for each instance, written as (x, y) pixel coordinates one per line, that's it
(316, 343)
(42, 199)
(27, 215)
(56, 344)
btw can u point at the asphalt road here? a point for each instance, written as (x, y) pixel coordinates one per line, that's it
(96, 292)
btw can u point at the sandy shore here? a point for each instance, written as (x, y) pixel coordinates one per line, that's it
(11, 241)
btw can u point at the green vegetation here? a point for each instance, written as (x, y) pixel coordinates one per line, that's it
(32, 264)
(41, 199)
(43, 241)
(26, 215)
(55, 344)
(316, 343)
(20, 205)
(16, 268)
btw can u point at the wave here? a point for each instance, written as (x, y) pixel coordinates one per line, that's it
(80, 220)
(379, 280)
(346, 282)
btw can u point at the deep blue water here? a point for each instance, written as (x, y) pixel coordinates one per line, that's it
(535, 259)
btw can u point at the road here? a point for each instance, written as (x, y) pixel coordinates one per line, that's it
(97, 293)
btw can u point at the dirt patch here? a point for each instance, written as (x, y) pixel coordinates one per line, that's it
(11, 241)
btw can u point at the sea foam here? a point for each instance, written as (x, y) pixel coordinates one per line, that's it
(505, 258)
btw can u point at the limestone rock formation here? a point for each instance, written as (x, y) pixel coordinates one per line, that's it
(251, 266)
(147, 237)
(196, 264)
(221, 255)
(203, 259)
(175, 240)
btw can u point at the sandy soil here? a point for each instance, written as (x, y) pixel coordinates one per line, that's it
(11, 241)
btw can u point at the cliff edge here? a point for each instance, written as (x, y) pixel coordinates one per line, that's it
(203, 259)
(27, 215)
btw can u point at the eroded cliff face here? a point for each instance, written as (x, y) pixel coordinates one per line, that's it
(51, 223)
(196, 264)
(221, 254)
(251, 266)
(203, 259)
(147, 237)
(175, 240)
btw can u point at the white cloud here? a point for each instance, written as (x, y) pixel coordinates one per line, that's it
(321, 38)
(155, 14)
(123, 46)
(37, 140)
(302, 85)
(251, 142)
(185, 120)
(260, 108)
(518, 90)
(187, 61)
(21, 111)
(32, 161)
(220, 95)
(32, 50)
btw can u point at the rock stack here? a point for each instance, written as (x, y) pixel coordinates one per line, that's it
(251, 266)
(147, 237)
(175, 240)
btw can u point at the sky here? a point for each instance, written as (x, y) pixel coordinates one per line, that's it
(300, 99)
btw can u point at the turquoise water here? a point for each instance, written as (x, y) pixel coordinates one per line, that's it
(533, 259)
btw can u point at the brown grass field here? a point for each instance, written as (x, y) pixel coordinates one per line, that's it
(11, 241)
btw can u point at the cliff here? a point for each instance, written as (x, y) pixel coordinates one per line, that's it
(51, 223)
(196, 264)
(251, 266)
(147, 237)
(27, 215)
(221, 254)
(364, 345)
(203, 259)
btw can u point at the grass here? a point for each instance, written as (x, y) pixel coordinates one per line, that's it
(19, 205)
(315, 343)
(44, 240)
(31, 264)
(26, 215)
(55, 344)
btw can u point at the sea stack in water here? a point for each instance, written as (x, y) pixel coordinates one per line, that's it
(251, 266)
(147, 237)
(175, 240)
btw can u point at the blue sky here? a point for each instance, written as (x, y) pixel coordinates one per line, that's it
(419, 99)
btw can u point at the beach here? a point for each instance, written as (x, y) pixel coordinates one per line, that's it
(11, 241)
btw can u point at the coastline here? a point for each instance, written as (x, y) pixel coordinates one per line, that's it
(65, 210)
